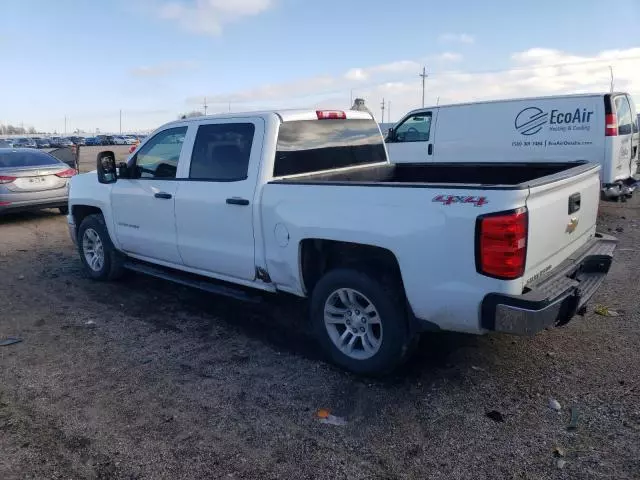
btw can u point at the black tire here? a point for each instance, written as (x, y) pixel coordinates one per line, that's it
(64, 210)
(112, 266)
(387, 296)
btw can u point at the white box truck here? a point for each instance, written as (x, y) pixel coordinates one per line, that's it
(598, 128)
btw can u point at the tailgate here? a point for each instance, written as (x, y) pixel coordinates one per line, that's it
(562, 217)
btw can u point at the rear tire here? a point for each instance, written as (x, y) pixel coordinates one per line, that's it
(99, 257)
(360, 320)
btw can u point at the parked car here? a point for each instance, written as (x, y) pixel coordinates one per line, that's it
(117, 140)
(599, 128)
(77, 140)
(54, 142)
(6, 143)
(42, 143)
(24, 142)
(305, 202)
(130, 140)
(106, 139)
(31, 180)
(91, 141)
(64, 142)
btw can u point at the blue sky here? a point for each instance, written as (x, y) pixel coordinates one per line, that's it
(155, 59)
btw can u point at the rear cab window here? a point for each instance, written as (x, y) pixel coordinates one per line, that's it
(306, 146)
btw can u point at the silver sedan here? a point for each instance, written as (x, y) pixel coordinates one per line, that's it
(31, 180)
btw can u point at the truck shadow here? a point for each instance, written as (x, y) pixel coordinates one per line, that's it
(28, 216)
(279, 321)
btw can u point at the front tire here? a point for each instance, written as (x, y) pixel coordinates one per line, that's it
(100, 258)
(360, 320)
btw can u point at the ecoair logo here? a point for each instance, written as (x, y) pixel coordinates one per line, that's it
(532, 119)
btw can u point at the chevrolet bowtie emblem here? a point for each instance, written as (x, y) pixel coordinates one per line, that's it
(572, 225)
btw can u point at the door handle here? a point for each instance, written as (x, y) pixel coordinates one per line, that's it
(237, 201)
(574, 203)
(430, 149)
(163, 195)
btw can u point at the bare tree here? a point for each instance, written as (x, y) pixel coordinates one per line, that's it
(193, 113)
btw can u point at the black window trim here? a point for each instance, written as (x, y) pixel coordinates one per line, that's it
(424, 114)
(133, 161)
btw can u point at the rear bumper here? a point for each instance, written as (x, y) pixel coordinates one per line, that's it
(554, 299)
(37, 204)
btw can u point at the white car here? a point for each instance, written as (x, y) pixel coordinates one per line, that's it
(130, 140)
(119, 140)
(599, 128)
(305, 202)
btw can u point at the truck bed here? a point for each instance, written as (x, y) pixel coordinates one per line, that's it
(474, 175)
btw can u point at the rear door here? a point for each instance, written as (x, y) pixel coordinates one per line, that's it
(620, 148)
(412, 140)
(562, 217)
(635, 139)
(215, 205)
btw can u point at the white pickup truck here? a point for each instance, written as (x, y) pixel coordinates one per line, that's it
(306, 202)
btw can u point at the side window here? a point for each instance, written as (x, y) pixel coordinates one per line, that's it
(416, 128)
(221, 152)
(623, 112)
(158, 158)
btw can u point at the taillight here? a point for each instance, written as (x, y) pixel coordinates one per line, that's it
(6, 179)
(610, 125)
(68, 173)
(331, 115)
(501, 244)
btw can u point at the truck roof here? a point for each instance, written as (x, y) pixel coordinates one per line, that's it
(521, 99)
(285, 115)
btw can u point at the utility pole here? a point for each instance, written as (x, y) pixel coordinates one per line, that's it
(382, 107)
(205, 105)
(611, 71)
(351, 98)
(120, 121)
(389, 111)
(424, 76)
(229, 107)
(65, 125)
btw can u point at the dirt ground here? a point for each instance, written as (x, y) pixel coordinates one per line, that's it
(145, 379)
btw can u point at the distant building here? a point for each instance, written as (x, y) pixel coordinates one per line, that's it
(358, 105)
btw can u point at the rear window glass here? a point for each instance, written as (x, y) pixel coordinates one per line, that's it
(26, 159)
(314, 145)
(623, 113)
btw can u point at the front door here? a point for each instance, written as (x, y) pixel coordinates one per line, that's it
(412, 139)
(144, 204)
(215, 208)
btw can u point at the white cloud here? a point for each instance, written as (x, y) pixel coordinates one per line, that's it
(530, 73)
(456, 38)
(162, 69)
(449, 57)
(208, 16)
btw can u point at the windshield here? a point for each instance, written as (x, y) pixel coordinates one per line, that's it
(20, 158)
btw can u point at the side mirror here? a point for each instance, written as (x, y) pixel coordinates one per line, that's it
(390, 135)
(106, 166)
